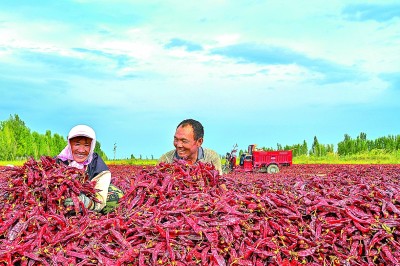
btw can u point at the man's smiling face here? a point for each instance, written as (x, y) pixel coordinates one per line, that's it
(185, 144)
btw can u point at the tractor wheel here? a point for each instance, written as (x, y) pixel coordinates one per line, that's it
(272, 169)
(263, 169)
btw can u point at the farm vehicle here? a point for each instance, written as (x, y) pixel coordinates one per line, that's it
(254, 160)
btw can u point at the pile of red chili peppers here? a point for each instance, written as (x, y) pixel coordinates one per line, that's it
(177, 214)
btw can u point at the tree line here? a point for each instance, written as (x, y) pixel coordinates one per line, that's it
(17, 142)
(317, 149)
(362, 144)
(348, 146)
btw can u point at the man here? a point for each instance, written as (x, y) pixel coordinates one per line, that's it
(187, 141)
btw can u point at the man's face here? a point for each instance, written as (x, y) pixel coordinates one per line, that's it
(185, 144)
(80, 147)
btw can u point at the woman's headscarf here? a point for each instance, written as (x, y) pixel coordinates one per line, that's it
(78, 131)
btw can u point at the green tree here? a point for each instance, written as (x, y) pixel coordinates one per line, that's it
(98, 150)
(315, 147)
(19, 132)
(10, 144)
(36, 145)
(58, 144)
(304, 148)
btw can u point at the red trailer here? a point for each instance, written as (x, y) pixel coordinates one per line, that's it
(258, 160)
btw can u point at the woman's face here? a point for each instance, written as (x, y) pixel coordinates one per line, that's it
(80, 147)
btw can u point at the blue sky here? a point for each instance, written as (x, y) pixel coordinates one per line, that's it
(263, 72)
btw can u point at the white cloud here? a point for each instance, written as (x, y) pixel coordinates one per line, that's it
(227, 39)
(122, 67)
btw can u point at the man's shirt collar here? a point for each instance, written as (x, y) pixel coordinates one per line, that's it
(200, 154)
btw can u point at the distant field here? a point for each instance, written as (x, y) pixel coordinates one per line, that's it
(108, 162)
(132, 162)
(375, 157)
(15, 163)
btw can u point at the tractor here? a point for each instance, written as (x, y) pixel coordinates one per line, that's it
(255, 160)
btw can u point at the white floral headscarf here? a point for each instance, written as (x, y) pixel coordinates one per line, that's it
(66, 153)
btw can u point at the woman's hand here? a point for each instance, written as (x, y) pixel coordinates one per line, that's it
(88, 203)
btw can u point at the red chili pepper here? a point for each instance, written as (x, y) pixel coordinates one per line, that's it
(120, 239)
(359, 220)
(10, 222)
(388, 253)
(159, 248)
(31, 178)
(204, 254)
(363, 229)
(226, 234)
(142, 259)
(109, 251)
(392, 208)
(36, 258)
(17, 230)
(193, 224)
(128, 255)
(168, 244)
(101, 259)
(218, 258)
(76, 254)
(226, 221)
(237, 231)
(275, 226)
(190, 254)
(335, 221)
(307, 252)
(381, 234)
(160, 230)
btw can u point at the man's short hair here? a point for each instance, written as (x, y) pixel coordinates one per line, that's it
(198, 130)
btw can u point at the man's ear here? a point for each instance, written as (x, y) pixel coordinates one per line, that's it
(199, 142)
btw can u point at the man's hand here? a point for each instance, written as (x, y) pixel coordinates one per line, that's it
(82, 198)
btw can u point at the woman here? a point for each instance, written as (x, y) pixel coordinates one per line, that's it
(80, 153)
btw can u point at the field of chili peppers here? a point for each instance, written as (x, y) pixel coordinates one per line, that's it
(175, 214)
